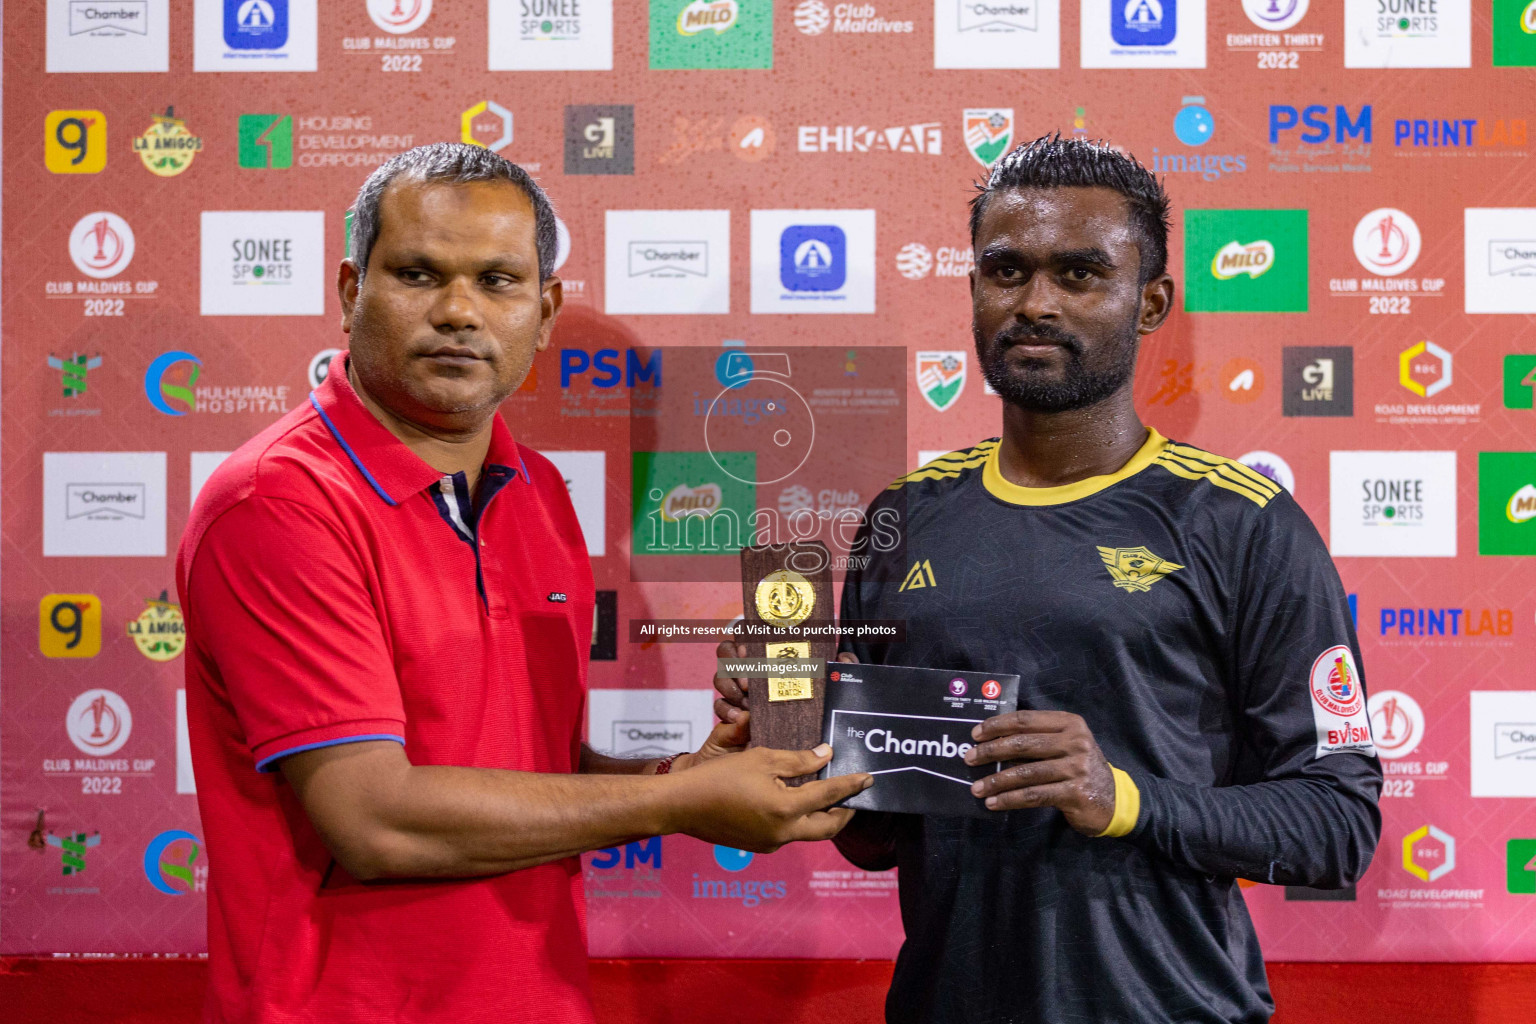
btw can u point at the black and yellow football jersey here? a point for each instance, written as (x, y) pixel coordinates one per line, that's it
(1186, 607)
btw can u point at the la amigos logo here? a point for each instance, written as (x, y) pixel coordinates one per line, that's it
(170, 862)
(161, 392)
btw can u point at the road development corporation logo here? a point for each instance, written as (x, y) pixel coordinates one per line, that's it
(988, 133)
(99, 723)
(1397, 724)
(101, 245)
(941, 377)
(1252, 261)
(399, 16)
(1275, 15)
(1407, 33)
(1429, 853)
(1506, 503)
(171, 863)
(487, 124)
(1425, 369)
(1392, 504)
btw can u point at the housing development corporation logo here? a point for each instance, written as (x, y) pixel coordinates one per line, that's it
(265, 141)
(1252, 261)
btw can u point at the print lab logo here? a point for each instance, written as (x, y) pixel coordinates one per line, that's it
(398, 17)
(812, 18)
(171, 863)
(1466, 133)
(1429, 853)
(99, 723)
(101, 245)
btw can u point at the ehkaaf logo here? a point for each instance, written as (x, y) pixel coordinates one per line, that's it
(922, 139)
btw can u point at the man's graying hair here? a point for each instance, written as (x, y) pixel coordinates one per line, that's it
(1054, 162)
(451, 163)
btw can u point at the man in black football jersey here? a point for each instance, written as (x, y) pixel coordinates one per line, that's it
(1191, 705)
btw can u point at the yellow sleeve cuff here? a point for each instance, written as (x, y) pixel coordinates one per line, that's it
(1127, 805)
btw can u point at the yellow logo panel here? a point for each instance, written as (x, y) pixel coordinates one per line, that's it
(1135, 568)
(69, 625)
(75, 141)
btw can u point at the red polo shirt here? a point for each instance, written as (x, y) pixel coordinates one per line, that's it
(337, 588)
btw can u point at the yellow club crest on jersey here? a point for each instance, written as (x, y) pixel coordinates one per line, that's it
(919, 576)
(1135, 568)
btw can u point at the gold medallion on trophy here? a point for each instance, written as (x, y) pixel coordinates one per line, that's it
(785, 598)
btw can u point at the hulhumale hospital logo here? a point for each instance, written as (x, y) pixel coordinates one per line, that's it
(162, 392)
(170, 862)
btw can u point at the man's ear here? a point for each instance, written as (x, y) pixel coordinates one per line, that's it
(1156, 303)
(551, 298)
(349, 281)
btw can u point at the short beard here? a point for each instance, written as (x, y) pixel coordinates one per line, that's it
(1079, 386)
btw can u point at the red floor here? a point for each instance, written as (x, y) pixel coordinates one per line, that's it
(788, 991)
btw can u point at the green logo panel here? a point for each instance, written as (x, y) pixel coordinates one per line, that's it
(266, 140)
(1506, 503)
(1520, 378)
(692, 503)
(1514, 33)
(711, 34)
(1520, 865)
(1245, 261)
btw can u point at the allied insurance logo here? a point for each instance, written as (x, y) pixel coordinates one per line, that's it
(101, 245)
(255, 24)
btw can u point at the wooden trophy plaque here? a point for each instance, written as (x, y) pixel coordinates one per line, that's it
(786, 711)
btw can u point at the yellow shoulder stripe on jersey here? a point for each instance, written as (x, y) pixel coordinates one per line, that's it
(948, 467)
(1194, 464)
(1229, 466)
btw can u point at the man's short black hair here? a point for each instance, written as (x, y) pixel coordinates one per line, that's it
(1054, 162)
(452, 163)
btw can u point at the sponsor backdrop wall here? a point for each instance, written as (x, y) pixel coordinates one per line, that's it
(1355, 249)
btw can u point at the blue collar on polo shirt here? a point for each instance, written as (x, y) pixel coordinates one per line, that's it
(384, 461)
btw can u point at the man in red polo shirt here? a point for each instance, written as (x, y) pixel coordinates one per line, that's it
(389, 607)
